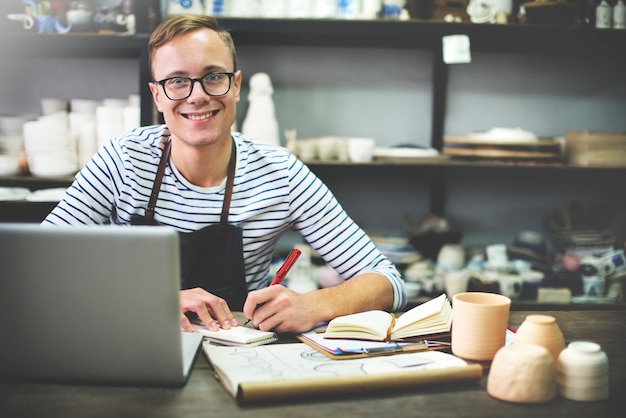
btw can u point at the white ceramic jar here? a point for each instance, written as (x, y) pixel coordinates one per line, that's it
(583, 372)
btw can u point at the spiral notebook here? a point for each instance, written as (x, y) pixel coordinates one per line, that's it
(237, 336)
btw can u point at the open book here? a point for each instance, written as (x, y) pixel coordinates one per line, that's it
(432, 317)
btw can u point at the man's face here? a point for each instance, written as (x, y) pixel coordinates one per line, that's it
(199, 119)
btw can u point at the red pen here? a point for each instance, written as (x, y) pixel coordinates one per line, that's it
(283, 270)
(287, 265)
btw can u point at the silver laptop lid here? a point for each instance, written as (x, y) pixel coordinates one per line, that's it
(92, 304)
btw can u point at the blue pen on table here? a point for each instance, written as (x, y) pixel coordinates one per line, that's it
(283, 270)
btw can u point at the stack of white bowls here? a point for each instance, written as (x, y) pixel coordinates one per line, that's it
(583, 372)
(12, 142)
(50, 150)
(116, 116)
(82, 119)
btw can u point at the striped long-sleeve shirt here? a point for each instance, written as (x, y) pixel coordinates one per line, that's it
(273, 192)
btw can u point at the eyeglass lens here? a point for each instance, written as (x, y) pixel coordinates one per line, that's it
(213, 84)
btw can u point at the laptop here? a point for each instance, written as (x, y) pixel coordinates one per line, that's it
(92, 305)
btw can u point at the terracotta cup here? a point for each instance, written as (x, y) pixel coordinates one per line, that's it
(479, 322)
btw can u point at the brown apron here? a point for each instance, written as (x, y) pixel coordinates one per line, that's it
(211, 257)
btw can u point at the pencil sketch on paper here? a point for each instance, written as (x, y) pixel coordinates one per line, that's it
(297, 360)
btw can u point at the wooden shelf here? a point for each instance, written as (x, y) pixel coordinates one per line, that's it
(520, 39)
(67, 45)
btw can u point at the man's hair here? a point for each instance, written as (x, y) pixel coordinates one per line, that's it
(176, 25)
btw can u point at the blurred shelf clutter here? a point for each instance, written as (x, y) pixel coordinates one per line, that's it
(575, 260)
(532, 268)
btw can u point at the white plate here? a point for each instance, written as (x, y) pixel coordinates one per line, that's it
(47, 195)
(13, 193)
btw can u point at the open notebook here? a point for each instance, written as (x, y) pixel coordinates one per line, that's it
(92, 304)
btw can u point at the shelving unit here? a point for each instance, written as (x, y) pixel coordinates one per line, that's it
(410, 35)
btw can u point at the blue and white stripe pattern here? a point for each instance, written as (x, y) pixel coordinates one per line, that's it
(273, 192)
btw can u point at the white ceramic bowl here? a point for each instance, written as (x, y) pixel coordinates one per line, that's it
(584, 393)
(413, 289)
(9, 165)
(11, 144)
(583, 359)
(361, 150)
(50, 105)
(84, 105)
(12, 124)
(52, 164)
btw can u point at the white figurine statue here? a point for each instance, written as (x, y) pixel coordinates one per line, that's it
(260, 122)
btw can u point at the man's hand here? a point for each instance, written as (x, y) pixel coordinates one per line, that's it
(279, 309)
(211, 310)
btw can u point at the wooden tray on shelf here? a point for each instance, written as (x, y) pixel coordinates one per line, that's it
(547, 150)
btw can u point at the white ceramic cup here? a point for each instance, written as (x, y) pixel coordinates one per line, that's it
(451, 257)
(361, 150)
(326, 148)
(583, 372)
(594, 286)
(50, 106)
(479, 323)
(456, 282)
(510, 285)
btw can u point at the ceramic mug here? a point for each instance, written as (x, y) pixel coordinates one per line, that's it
(596, 266)
(455, 282)
(361, 150)
(593, 286)
(510, 285)
(479, 323)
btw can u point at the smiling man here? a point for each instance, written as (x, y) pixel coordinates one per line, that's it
(229, 197)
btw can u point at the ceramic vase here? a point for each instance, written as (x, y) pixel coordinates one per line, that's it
(541, 330)
(583, 372)
(522, 373)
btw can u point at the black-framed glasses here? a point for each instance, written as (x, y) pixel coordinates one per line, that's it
(213, 84)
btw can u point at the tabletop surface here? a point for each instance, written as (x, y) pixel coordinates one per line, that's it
(204, 397)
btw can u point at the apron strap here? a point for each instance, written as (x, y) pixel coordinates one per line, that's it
(156, 186)
(230, 179)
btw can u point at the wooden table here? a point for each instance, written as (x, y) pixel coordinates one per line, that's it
(204, 397)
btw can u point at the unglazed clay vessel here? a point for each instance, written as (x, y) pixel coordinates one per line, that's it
(583, 372)
(541, 330)
(479, 322)
(522, 373)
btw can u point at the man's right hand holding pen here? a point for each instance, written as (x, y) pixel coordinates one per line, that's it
(281, 273)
